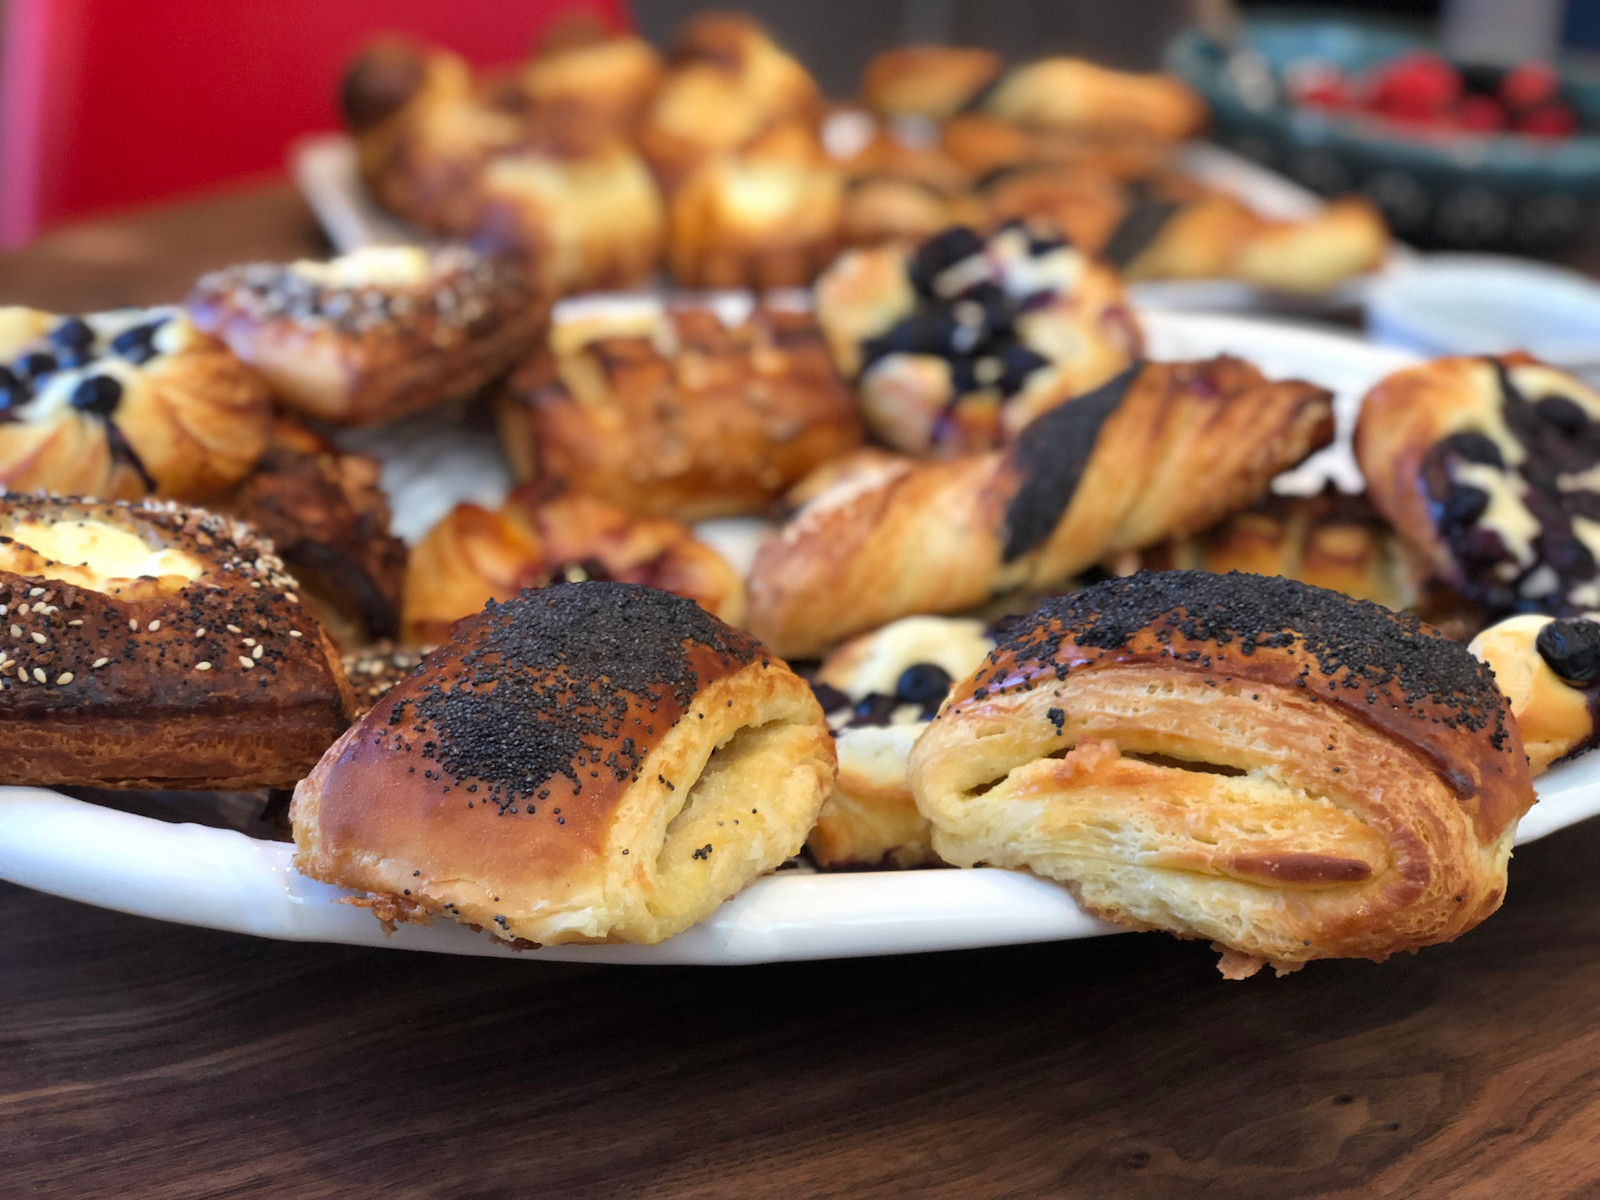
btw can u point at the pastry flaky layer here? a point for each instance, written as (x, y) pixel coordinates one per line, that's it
(1162, 450)
(587, 762)
(1283, 770)
(155, 646)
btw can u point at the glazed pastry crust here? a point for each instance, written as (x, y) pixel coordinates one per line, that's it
(674, 412)
(148, 716)
(377, 334)
(1167, 449)
(636, 763)
(542, 534)
(1286, 772)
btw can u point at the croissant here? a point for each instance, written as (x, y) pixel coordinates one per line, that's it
(699, 407)
(543, 535)
(327, 517)
(879, 691)
(1289, 773)
(959, 344)
(581, 73)
(1548, 670)
(588, 762)
(152, 646)
(1069, 93)
(376, 334)
(1162, 450)
(123, 404)
(928, 82)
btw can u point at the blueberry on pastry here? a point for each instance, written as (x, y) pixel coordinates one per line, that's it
(1279, 769)
(1549, 671)
(879, 691)
(323, 511)
(152, 646)
(1161, 450)
(376, 334)
(589, 762)
(699, 407)
(543, 535)
(958, 344)
(123, 404)
(1490, 467)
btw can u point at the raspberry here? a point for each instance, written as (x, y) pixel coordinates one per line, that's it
(1418, 86)
(1481, 114)
(1528, 85)
(1551, 120)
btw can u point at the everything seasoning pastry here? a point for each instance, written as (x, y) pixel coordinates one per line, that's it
(586, 762)
(1283, 770)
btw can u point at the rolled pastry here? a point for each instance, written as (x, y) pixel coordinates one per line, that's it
(590, 762)
(1282, 770)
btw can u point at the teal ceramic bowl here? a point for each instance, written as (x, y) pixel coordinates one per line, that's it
(1500, 191)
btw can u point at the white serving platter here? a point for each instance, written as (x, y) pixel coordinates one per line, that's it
(325, 170)
(221, 879)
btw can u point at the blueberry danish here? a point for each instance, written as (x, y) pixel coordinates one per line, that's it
(958, 344)
(124, 404)
(1550, 672)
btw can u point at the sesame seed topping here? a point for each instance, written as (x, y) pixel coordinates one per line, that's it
(295, 633)
(98, 663)
(234, 629)
(291, 598)
(38, 674)
(246, 663)
(63, 679)
(133, 625)
(249, 641)
(153, 626)
(16, 631)
(201, 632)
(40, 638)
(202, 666)
(74, 624)
(256, 653)
(35, 593)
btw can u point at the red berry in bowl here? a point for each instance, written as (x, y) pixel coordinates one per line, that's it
(1529, 84)
(1417, 86)
(1550, 120)
(1481, 114)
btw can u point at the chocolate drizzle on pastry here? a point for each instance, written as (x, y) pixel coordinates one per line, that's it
(546, 685)
(1524, 532)
(1387, 669)
(1051, 454)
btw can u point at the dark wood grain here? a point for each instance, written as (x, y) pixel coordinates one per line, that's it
(141, 1059)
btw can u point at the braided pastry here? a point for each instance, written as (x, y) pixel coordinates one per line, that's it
(879, 691)
(152, 646)
(696, 408)
(586, 763)
(123, 404)
(959, 344)
(1162, 450)
(1490, 467)
(542, 535)
(1287, 772)
(376, 334)
(1549, 671)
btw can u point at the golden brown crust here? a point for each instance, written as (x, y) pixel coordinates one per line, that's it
(329, 520)
(124, 404)
(1164, 449)
(1071, 94)
(634, 763)
(377, 334)
(933, 82)
(961, 342)
(673, 411)
(982, 143)
(1335, 780)
(608, 79)
(543, 535)
(1486, 466)
(102, 683)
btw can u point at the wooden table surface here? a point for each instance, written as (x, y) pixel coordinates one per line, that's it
(144, 1059)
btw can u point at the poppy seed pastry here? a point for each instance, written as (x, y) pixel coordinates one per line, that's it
(879, 691)
(1549, 671)
(1159, 451)
(587, 762)
(153, 646)
(376, 334)
(125, 404)
(1490, 467)
(544, 534)
(1287, 772)
(958, 344)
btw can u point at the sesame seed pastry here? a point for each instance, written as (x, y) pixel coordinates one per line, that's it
(542, 535)
(959, 343)
(879, 691)
(373, 672)
(1549, 671)
(324, 512)
(125, 404)
(377, 334)
(1160, 451)
(1490, 467)
(588, 762)
(1279, 769)
(153, 646)
(707, 405)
